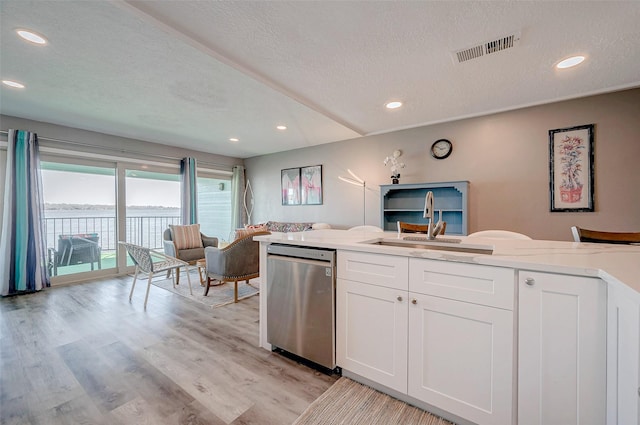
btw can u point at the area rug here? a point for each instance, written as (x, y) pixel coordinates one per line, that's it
(218, 295)
(349, 402)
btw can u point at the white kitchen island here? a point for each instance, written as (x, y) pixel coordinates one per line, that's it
(540, 332)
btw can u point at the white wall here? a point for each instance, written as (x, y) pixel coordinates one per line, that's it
(505, 156)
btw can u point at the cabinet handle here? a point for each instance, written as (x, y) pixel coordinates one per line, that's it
(414, 301)
(530, 281)
(399, 298)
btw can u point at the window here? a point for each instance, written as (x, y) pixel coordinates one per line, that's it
(214, 207)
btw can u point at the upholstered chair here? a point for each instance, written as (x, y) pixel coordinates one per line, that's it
(186, 243)
(240, 260)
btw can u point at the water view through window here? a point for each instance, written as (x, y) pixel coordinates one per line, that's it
(80, 217)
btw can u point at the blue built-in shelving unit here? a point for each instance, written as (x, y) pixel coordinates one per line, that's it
(405, 202)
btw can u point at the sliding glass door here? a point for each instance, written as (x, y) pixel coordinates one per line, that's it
(79, 218)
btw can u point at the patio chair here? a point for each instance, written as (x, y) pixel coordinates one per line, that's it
(143, 259)
(75, 249)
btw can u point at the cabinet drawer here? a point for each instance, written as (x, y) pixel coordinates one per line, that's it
(484, 285)
(375, 269)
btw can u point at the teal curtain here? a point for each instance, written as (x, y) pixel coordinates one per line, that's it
(237, 198)
(189, 191)
(22, 237)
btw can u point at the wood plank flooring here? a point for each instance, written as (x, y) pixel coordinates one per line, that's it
(82, 354)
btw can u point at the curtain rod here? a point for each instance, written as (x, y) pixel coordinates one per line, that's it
(122, 151)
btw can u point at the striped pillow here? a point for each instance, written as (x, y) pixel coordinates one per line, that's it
(186, 237)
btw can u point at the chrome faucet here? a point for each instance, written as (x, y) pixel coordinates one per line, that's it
(432, 230)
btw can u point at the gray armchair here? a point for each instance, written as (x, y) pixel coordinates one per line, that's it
(239, 260)
(189, 255)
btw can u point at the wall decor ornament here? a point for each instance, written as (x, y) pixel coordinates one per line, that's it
(395, 165)
(571, 171)
(302, 186)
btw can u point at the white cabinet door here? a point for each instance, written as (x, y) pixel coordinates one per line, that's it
(562, 349)
(461, 358)
(477, 284)
(372, 332)
(375, 269)
(623, 356)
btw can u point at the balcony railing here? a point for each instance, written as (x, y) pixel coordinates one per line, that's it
(146, 230)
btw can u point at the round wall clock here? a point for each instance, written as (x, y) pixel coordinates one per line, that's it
(441, 149)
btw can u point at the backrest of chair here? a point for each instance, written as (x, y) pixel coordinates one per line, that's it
(140, 255)
(166, 235)
(68, 240)
(246, 254)
(366, 228)
(499, 234)
(412, 228)
(585, 235)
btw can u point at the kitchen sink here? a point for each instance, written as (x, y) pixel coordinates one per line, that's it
(439, 244)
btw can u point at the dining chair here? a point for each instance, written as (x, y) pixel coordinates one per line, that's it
(143, 258)
(586, 235)
(365, 228)
(418, 228)
(498, 234)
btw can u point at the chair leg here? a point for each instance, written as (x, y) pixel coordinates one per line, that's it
(235, 291)
(177, 271)
(135, 277)
(189, 279)
(146, 297)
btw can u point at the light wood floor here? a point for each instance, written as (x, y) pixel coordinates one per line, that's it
(82, 354)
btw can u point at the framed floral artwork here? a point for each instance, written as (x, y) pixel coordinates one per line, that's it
(311, 185)
(571, 168)
(290, 180)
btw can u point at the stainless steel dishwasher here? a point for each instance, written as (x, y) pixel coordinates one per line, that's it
(301, 302)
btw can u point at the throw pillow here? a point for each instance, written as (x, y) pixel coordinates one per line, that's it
(249, 229)
(186, 237)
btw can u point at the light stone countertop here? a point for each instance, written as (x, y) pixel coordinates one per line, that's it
(612, 263)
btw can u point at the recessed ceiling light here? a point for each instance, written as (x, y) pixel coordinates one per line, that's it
(32, 37)
(233, 139)
(13, 84)
(281, 127)
(569, 62)
(393, 105)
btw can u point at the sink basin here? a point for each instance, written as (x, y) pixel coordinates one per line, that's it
(442, 244)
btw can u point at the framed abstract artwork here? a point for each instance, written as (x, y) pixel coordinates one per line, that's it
(290, 180)
(571, 168)
(311, 185)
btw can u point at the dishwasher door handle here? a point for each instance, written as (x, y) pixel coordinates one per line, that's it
(299, 260)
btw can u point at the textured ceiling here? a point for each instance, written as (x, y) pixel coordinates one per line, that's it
(196, 73)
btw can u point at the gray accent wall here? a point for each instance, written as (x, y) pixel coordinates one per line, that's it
(505, 156)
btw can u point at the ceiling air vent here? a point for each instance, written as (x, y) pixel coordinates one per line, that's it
(487, 48)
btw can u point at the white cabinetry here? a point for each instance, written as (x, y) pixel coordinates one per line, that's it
(408, 324)
(561, 339)
(371, 317)
(461, 353)
(623, 356)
